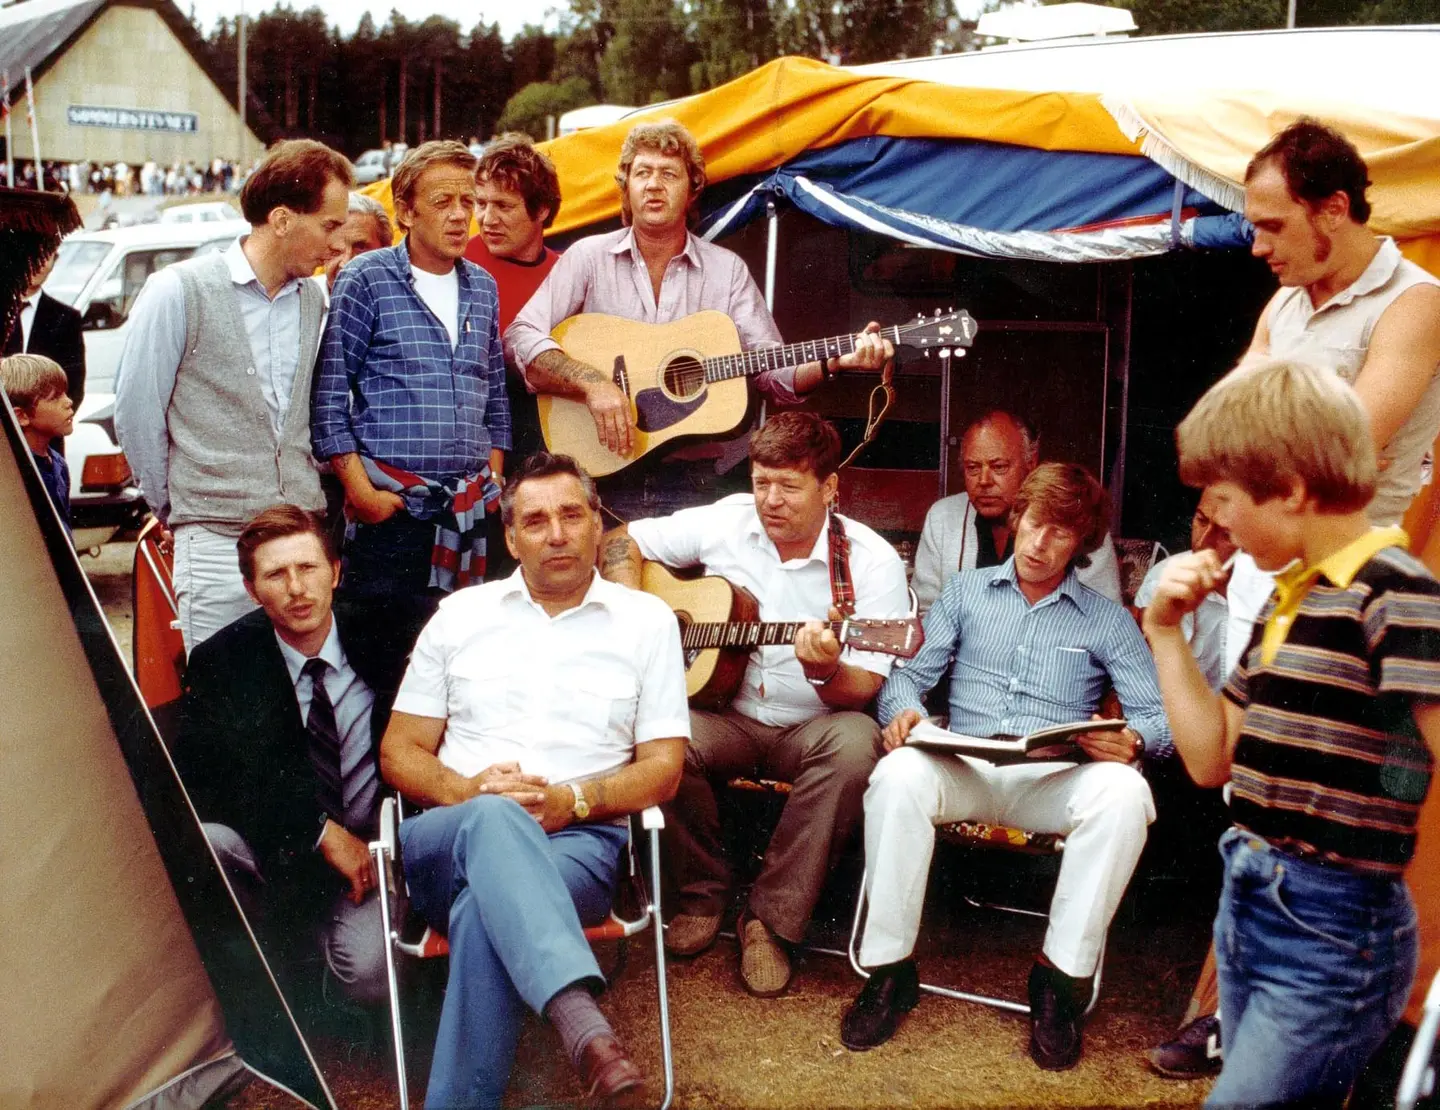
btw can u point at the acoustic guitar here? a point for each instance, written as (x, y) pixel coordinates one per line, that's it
(687, 378)
(719, 630)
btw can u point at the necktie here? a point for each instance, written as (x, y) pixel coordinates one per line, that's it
(324, 748)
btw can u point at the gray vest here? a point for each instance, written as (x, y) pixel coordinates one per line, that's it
(225, 462)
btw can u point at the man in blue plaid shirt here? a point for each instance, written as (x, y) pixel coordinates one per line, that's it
(410, 403)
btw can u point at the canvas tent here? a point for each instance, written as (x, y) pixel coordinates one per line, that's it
(131, 978)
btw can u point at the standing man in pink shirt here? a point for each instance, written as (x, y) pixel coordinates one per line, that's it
(655, 270)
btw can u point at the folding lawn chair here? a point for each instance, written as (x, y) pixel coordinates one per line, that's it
(385, 850)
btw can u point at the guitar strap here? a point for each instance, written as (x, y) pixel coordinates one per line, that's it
(842, 587)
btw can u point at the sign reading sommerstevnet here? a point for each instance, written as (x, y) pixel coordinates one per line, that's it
(132, 119)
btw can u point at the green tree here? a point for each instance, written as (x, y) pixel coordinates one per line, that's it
(527, 109)
(532, 56)
(649, 56)
(1175, 17)
(732, 37)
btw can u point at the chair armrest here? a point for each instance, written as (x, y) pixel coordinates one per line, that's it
(652, 818)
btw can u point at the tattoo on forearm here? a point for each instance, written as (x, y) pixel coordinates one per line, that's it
(616, 554)
(597, 794)
(560, 367)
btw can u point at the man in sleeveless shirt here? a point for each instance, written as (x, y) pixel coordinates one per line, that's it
(212, 395)
(798, 716)
(1348, 302)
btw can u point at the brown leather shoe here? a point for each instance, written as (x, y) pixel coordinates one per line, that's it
(611, 1079)
(764, 964)
(689, 934)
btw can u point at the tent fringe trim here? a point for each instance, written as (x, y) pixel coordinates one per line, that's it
(1163, 153)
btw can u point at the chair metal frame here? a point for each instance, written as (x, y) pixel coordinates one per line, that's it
(1417, 1079)
(385, 851)
(975, 834)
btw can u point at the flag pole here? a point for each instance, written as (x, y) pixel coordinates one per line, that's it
(34, 130)
(9, 143)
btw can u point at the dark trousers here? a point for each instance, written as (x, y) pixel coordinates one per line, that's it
(827, 760)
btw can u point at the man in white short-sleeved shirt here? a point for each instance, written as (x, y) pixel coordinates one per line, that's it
(797, 716)
(537, 713)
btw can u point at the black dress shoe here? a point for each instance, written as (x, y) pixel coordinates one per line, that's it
(891, 990)
(1057, 1007)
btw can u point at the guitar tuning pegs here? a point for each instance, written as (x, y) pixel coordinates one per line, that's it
(926, 352)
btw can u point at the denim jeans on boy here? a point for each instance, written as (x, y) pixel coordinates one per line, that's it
(1315, 965)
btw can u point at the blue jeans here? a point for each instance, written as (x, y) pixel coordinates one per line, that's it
(1315, 965)
(513, 903)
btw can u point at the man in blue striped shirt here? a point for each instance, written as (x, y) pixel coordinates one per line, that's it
(1030, 647)
(410, 404)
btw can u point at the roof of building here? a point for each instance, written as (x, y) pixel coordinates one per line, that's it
(35, 33)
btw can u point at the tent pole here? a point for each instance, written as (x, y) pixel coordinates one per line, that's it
(772, 244)
(1119, 306)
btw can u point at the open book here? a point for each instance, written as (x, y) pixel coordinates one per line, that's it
(1055, 742)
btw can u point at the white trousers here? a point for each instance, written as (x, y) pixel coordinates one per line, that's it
(209, 591)
(1102, 810)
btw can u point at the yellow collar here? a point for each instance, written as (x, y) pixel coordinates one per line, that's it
(1339, 567)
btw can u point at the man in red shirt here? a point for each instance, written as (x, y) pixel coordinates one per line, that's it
(518, 195)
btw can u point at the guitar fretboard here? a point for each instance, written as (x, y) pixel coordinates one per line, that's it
(737, 634)
(724, 367)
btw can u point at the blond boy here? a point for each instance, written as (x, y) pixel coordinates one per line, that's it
(37, 387)
(1325, 731)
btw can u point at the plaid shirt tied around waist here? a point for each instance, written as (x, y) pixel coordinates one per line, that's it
(458, 507)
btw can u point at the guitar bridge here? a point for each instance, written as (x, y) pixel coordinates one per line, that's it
(620, 375)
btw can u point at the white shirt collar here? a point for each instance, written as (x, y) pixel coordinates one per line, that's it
(330, 651)
(820, 552)
(599, 593)
(242, 273)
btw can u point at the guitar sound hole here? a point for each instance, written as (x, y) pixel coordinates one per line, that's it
(684, 377)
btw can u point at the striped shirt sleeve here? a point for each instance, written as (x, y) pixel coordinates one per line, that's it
(1402, 630)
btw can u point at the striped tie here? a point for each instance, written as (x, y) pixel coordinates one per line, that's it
(324, 749)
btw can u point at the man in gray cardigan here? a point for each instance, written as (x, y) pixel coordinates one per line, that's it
(212, 395)
(972, 529)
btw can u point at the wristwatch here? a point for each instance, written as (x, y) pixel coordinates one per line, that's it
(581, 808)
(819, 682)
(1135, 756)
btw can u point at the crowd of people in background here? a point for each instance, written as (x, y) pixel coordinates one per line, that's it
(121, 179)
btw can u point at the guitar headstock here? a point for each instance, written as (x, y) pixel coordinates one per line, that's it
(900, 636)
(950, 329)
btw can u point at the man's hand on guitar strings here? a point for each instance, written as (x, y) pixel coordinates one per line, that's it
(613, 414)
(817, 647)
(872, 351)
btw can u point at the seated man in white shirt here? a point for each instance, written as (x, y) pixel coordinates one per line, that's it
(798, 714)
(538, 712)
(972, 529)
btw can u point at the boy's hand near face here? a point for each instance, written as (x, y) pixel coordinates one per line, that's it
(1183, 584)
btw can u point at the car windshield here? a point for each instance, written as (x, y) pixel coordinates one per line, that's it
(75, 264)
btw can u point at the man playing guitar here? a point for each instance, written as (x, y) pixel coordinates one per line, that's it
(655, 270)
(798, 716)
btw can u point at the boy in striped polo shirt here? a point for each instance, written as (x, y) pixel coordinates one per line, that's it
(1325, 731)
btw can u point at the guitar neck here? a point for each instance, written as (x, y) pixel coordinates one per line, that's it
(748, 363)
(746, 634)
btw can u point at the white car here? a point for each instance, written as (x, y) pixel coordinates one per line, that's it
(100, 273)
(206, 212)
(371, 167)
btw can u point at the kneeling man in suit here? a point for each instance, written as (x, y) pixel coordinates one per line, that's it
(280, 727)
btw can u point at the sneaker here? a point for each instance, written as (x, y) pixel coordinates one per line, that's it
(764, 964)
(689, 934)
(891, 990)
(1056, 1012)
(1194, 1053)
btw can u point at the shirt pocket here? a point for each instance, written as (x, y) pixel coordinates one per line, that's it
(603, 700)
(491, 699)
